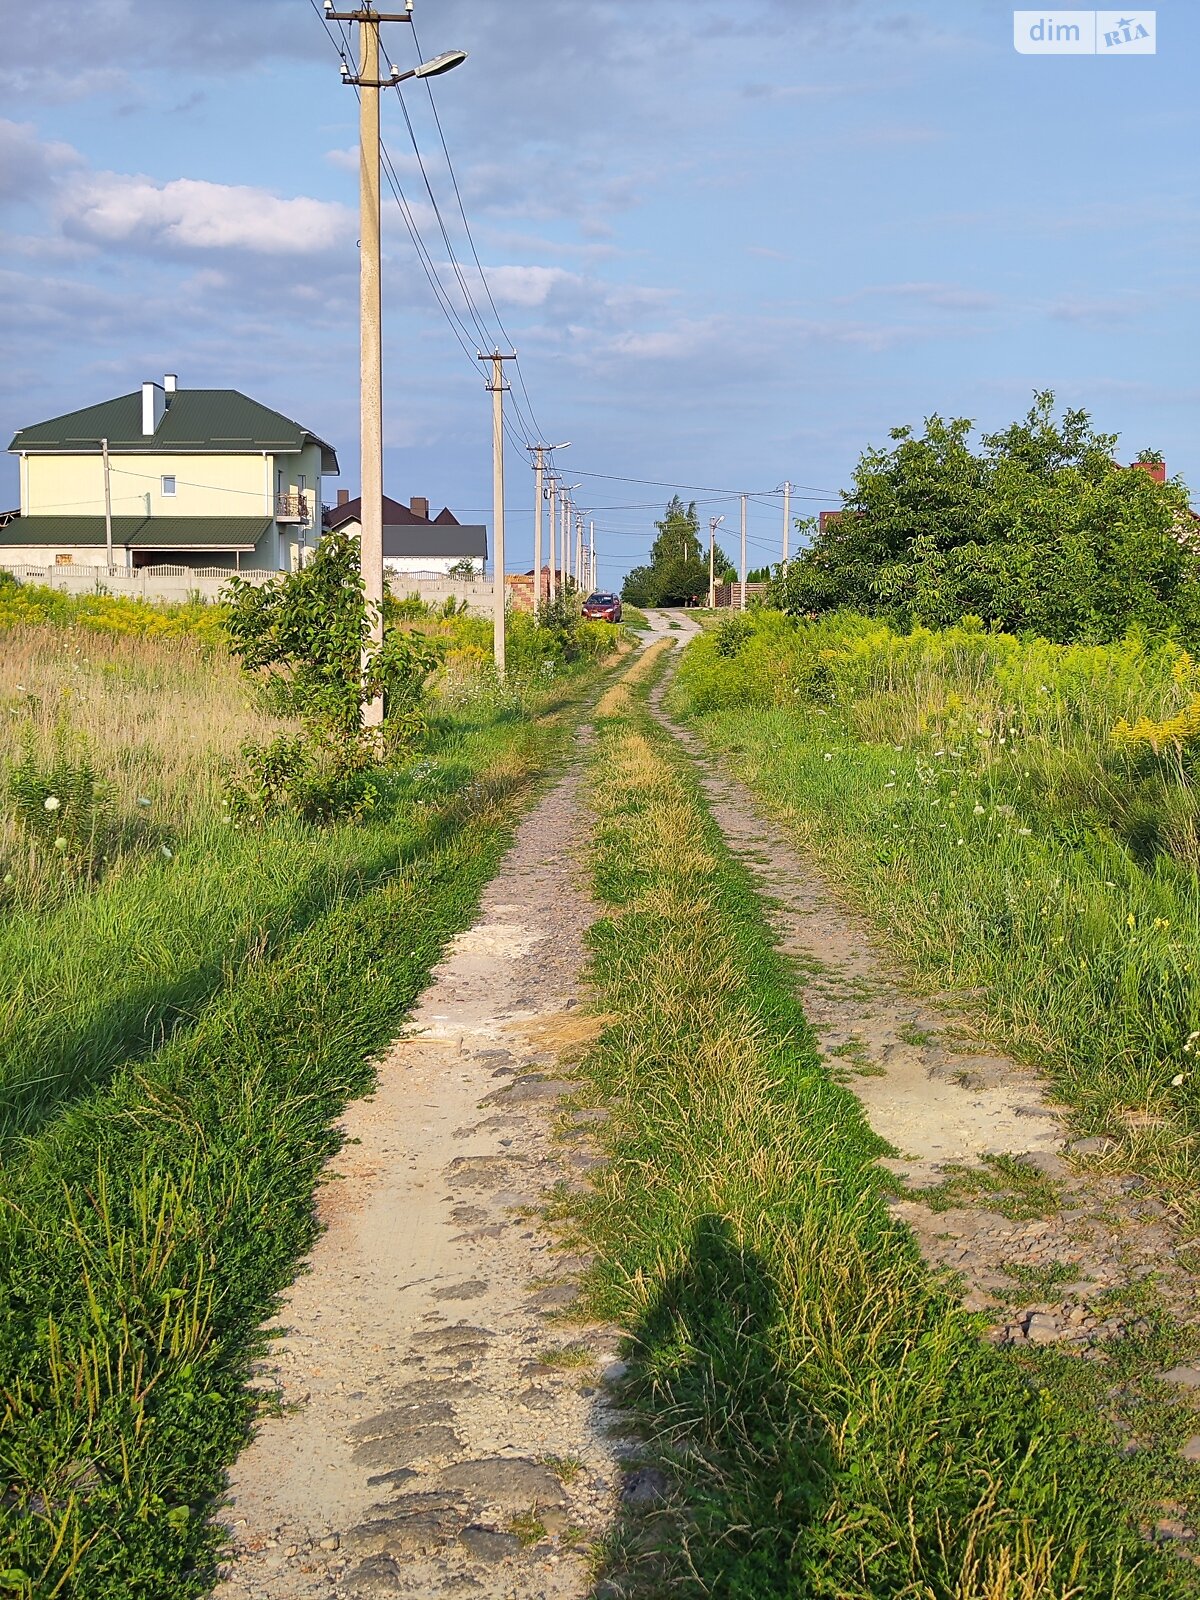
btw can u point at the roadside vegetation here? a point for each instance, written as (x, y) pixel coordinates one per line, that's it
(1022, 822)
(678, 567)
(1037, 528)
(242, 911)
(828, 1420)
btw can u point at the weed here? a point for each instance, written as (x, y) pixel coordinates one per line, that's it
(567, 1356)
(565, 1468)
(1004, 1183)
(528, 1527)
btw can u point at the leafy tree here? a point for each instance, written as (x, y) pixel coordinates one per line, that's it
(678, 566)
(304, 635)
(1038, 530)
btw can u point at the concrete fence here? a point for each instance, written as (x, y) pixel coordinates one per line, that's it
(165, 584)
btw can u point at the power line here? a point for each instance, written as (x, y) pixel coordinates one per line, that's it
(537, 430)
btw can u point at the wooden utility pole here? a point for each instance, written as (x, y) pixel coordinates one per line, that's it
(497, 387)
(787, 517)
(742, 574)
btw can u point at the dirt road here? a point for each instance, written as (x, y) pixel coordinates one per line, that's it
(439, 1433)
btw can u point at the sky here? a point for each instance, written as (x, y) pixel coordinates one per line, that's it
(732, 241)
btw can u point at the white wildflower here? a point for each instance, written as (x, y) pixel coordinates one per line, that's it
(52, 802)
(979, 811)
(60, 843)
(1024, 832)
(166, 854)
(1177, 1081)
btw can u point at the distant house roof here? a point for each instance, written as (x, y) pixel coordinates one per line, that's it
(409, 536)
(395, 515)
(138, 533)
(435, 540)
(195, 422)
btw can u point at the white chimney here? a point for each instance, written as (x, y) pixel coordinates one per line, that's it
(154, 403)
(170, 383)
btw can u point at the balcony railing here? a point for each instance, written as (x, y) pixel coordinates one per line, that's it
(291, 508)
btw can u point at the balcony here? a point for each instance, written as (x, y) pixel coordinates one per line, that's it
(291, 508)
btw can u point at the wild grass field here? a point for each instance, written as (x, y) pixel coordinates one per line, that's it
(829, 1420)
(1020, 819)
(187, 1002)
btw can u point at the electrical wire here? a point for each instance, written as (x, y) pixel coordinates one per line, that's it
(471, 241)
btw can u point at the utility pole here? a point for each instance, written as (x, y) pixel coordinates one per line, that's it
(370, 309)
(742, 574)
(497, 388)
(537, 528)
(539, 495)
(568, 511)
(713, 524)
(591, 555)
(578, 547)
(108, 549)
(553, 493)
(787, 517)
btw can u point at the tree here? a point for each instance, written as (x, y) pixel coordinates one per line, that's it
(303, 636)
(678, 566)
(1039, 529)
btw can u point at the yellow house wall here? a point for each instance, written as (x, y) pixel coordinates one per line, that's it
(205, 486)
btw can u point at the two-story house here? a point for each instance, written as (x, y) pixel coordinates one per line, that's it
(202, 478)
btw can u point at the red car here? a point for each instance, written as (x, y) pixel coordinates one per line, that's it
(599, 607)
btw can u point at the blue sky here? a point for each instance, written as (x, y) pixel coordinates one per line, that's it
(733, 242)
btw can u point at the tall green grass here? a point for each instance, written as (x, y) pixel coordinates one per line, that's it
(831, 1422)
(178, 1041)
(966, 791)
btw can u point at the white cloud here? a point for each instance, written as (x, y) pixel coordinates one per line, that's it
(191, 214)
(29, 165)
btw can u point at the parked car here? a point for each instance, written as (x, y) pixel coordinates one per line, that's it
(600, 607)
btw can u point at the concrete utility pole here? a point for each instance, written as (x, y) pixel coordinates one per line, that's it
(539, 495)
(553, 495)
(713, 524)
(497, 388)
(368, 83)
(108, 549)
(742, 574)
(787, 517)
(591, 555)
(568, 511)
(578, 547)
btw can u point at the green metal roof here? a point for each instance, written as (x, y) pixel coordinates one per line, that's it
(202, 421)
(138, 533)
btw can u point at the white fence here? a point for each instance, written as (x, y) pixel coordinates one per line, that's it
(176, 583)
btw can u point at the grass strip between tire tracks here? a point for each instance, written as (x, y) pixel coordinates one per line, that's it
(146, 1232)
(830, 1419)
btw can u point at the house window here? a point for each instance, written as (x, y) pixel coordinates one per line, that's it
(61, 560)
(168, 485)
